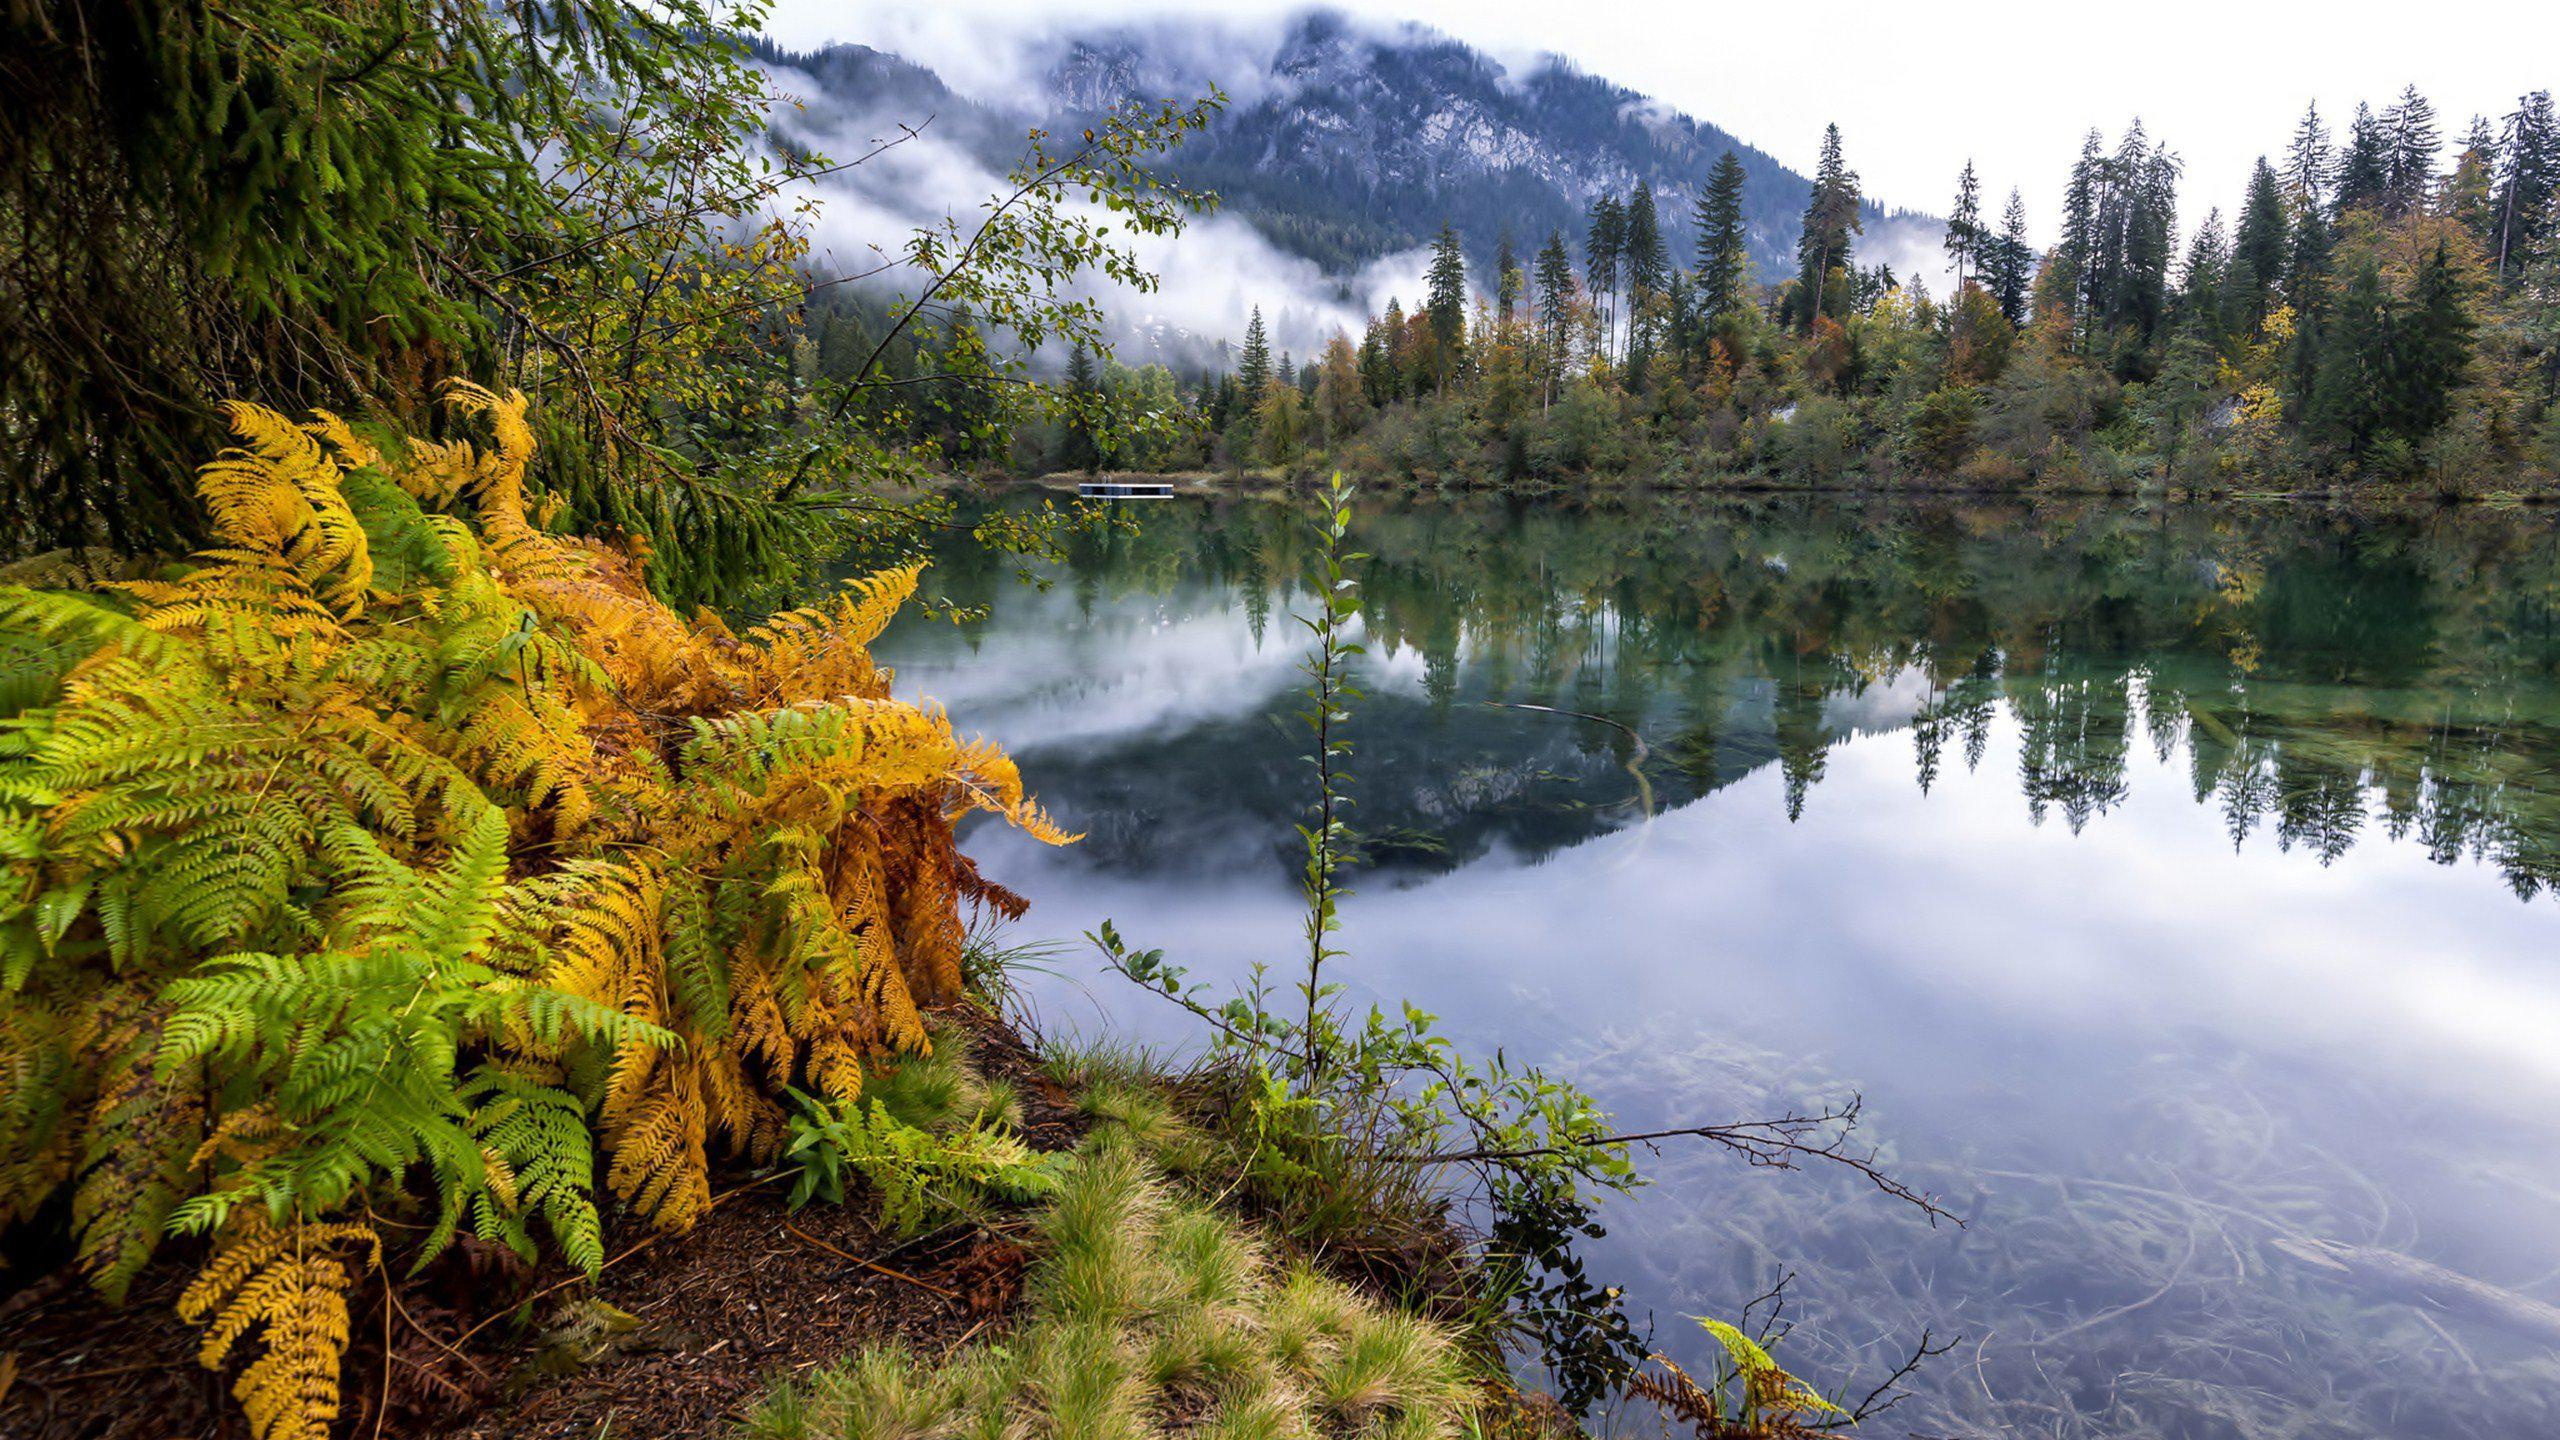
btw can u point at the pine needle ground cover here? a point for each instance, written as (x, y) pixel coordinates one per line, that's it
(385, 873)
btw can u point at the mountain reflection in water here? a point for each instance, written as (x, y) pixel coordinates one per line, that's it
(2162, 878)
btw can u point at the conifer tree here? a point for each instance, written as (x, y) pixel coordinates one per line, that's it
(1604, 246)
(2529, 178)
(1398, 351)
(1377, 369)
(2076, 255)
(1082, 452)
(1648, 260)
(1831, 218)
(2433, 350)
(1965, 236)
(1255, 372)
(2008, 264)
(2200, 305)
(2364, 171)
(2259, 249)
(2409, 164)
(2309, 165)
(1447, 304)
(1555, 312)
(1507, 278)
(2350, 388)
(2471, 194)
(1648, 274)
(1723, 245)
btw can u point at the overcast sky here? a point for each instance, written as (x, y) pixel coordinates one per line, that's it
(1917, 89)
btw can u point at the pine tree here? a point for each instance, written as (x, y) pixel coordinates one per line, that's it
(1447, 304)
(1723, 244)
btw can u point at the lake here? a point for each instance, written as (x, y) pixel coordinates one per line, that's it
(2168, 881)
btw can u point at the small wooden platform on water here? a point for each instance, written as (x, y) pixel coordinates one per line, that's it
(1124, 489)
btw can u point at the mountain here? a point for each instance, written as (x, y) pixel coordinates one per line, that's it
(1347, 144)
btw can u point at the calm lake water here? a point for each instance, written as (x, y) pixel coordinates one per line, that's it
(2169, 882)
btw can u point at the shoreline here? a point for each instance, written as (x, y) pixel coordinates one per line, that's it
(1270, 484)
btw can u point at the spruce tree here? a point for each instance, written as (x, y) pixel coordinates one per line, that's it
(1648, 272)
(2410, 157)
(1604, 247)
(2351, 387)
(2472, 192)
(1723, 243)
(2200, 304)
(2364, 172)
(2529, 178)
(1823, 245)
(2259, 248)
(1555, 311)
(2308, 163)
(1506, 278)
(1255, 372)
(2009, 263)
(1082, 450)
(2433, 348)
(1447, 304)
(2074, 257)
(1648, 261)
(1964, 243)
(1377, 369)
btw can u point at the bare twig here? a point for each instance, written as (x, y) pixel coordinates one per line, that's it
(1888, 1393)
(1779, 1144)
(870, 1264)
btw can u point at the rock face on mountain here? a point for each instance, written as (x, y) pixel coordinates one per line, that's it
(1345, 141)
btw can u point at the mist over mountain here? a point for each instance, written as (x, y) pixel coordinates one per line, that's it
(1344, 146)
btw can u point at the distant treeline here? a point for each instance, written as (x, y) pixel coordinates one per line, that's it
(2370, 315)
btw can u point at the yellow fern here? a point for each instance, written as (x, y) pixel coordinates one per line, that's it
(289, 1284)
(433, 847)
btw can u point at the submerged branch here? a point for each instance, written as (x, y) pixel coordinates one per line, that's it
(1780, 1144)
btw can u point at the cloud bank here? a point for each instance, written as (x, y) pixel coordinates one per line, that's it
(1212, 275)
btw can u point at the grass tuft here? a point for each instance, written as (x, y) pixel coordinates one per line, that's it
(1148, 1314)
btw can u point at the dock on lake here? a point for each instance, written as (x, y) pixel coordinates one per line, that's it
(1124, 489)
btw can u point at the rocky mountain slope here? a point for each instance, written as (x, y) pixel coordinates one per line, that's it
(1346, 142)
